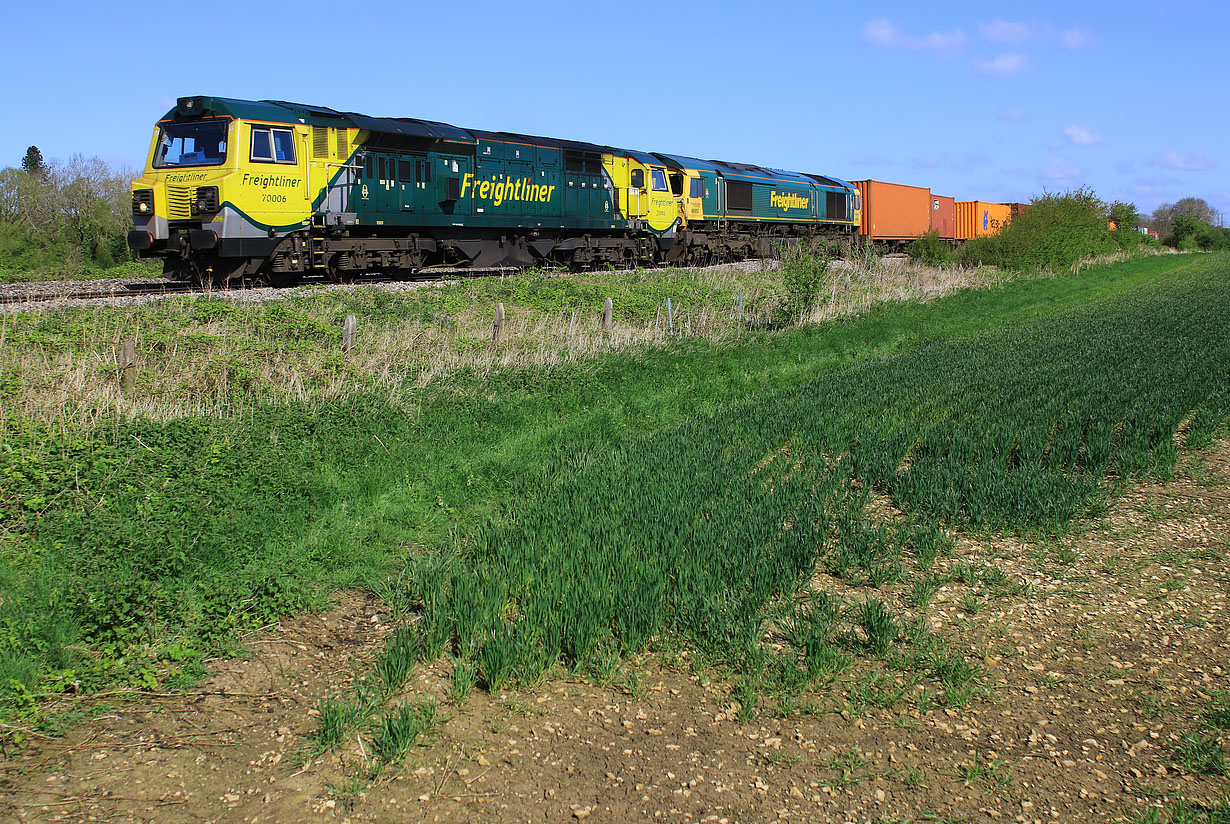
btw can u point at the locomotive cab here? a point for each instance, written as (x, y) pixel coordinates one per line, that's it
(180, 193)
(644, 190)
(221, 186)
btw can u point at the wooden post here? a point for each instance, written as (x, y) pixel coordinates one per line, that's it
(127, 364)
(348, 330)
(498, 329)
(608, 310)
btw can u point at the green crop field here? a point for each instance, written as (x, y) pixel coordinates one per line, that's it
(697, 494)
(708, 529)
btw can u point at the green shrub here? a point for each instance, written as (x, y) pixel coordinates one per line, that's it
(1057, 231)
(987, 250)
(803, 275)
(930, 249)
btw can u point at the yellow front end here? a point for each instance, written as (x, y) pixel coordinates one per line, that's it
(642, 191)
(221, 192)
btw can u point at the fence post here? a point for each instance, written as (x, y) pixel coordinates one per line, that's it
(348, 330)
(608, 309)
(498, 329)
(670, 317)
(127, 364)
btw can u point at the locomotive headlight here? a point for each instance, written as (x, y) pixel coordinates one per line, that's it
(206, 200)
(143, 202)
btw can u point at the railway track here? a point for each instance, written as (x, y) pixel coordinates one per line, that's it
(128, 290)
(54, 291)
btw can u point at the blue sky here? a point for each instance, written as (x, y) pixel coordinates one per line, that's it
(976, 100)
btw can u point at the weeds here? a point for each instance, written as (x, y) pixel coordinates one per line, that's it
(1202, 753)
(849, 766)
(465, 678)
(1182, 811)
(400, 728)
(992, 775)
(880, 627)
(1216, 713)
(336, 719)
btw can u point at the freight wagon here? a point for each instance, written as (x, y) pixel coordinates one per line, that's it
(976, 218)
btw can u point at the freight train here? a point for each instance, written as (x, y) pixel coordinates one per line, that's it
(239, 189)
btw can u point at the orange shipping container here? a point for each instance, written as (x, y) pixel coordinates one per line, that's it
(976, 218)
(894, 212)
(944, 216)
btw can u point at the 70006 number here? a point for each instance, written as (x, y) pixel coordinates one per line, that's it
(268, 198)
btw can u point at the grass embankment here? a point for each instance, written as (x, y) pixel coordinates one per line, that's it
(134, 545)
(127, 269)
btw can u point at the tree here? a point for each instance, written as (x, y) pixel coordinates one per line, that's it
(1184, 226)
(1193, 207)
(1124, 215)
(32, 163)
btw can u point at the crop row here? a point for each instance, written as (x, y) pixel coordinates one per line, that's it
(712, 532)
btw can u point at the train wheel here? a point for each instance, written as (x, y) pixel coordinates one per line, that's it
(283, 280)
(336, 273)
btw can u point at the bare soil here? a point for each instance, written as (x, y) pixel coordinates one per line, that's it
(1099, 661)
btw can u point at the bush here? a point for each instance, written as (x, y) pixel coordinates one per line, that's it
(1131, 241)
(1212, 238)
(986, 250)
(803, 275)
(1058, 231)
(930, 250)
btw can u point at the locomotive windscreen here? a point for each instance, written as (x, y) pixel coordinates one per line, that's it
(191, 144)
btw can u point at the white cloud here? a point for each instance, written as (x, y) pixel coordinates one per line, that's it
(1061, 172)
(1005, 65)
(1196, 161)
(1012, 114)
(1075, 38)
(888, 35)
(1004, 32)
(1082, 135)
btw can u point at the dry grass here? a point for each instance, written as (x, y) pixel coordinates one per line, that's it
(190, 367)
(858, 284)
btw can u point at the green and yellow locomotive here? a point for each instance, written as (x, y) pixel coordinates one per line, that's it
(236, 189)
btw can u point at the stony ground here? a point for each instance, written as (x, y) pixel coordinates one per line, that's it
(1102, 652)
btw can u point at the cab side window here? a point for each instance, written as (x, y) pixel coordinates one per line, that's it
(273, 145)
(697, 187)
(659, 180)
